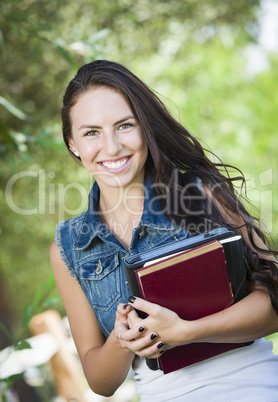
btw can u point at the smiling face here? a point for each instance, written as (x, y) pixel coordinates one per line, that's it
(108, 138)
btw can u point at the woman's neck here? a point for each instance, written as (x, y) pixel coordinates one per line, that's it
(120, 202)
(121, 210)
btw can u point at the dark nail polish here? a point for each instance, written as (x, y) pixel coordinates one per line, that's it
(125, 306)
(161, 352)
(160, 345)
(153, 336)
(141, 329)
(131, 299)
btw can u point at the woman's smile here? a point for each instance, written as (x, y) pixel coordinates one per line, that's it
(116, 165)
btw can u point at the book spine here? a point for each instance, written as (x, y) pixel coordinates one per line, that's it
(132, 282)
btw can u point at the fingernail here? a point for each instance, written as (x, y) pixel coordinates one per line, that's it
(161, 352)
(141, 329)
(160, 345)
(153, 336)
(131, 299)
(125, 306)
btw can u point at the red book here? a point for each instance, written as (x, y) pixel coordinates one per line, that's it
(194, 284)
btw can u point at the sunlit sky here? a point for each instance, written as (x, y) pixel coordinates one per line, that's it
(268, 38)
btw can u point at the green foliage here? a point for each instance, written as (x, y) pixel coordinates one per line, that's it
(42, 300)
(8, 334)
(41, 47)
(274, 339)
(192, 53)
(12, 109)
(195, 58)
(8, 383)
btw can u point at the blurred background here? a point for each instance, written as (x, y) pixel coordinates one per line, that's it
(215, 65)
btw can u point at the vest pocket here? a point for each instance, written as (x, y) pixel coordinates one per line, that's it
(100, 281)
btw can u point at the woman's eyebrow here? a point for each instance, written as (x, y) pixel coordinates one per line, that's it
(124, 119)
(90, 126)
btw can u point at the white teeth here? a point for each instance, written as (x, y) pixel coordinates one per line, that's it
(115, 165)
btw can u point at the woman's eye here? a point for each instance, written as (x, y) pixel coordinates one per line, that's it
(125, 125)
(90, 133)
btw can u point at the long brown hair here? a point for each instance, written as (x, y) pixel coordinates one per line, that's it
(175, 157)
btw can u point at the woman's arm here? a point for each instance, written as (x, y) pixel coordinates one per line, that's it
(105, 362)
(249, 319)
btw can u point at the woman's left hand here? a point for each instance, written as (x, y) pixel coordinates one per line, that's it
(249, 319)
(161, 321)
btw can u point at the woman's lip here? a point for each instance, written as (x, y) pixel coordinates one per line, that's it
(116, 159)
(120, 168)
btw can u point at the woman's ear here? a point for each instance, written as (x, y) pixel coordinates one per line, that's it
(72, 148)
(71, 143)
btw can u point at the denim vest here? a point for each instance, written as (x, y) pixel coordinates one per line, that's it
(94, 257)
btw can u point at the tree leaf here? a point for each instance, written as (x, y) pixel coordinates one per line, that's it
(21, 345)
(18, 16)
(7, 332)
(51, 302)
(2, 42)
(6, 135)
(60, 46)
(13, 109)
(8, 383)
(27, 315)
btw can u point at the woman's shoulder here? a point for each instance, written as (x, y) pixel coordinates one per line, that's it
(67, 232)
(65, 237)
(71, 223)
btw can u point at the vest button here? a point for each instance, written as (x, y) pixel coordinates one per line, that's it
(99, 268)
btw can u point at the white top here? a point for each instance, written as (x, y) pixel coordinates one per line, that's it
(249, 373)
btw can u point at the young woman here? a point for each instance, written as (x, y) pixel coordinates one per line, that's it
(154, 185)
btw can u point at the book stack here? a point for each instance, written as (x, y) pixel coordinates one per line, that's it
(194, 282)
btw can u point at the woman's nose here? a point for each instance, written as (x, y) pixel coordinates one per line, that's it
(111, 144)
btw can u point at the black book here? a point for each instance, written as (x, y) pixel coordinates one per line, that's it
(233, 250)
